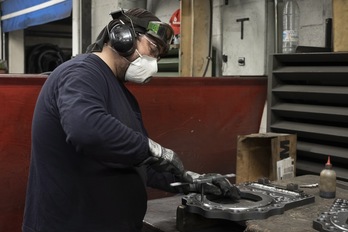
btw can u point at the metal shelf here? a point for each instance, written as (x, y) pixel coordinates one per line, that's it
(308, 96)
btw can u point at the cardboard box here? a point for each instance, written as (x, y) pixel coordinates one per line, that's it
(269, 155)
(340, 25)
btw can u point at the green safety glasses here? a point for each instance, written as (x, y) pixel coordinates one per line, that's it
(160, 30)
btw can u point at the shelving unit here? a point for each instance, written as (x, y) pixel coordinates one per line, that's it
(308, 96)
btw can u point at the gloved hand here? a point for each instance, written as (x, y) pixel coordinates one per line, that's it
(164, 160)
(218, 187)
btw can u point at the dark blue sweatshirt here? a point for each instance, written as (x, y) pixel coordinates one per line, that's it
(87, 141)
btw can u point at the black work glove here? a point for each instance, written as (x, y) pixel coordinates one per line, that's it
(218, 186)
(164, 160)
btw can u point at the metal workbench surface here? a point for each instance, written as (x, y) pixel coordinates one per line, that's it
(161, 213)
(299, 219)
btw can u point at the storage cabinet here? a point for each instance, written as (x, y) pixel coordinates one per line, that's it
(308, 96)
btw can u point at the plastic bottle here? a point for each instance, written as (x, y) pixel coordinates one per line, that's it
(291, 23)
(327, 182)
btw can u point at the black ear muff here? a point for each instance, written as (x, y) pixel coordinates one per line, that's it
(122, 38)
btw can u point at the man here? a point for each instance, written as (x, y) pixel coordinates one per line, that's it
(91, 156)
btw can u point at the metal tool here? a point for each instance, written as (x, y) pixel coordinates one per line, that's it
(309, 185)
(203, 179)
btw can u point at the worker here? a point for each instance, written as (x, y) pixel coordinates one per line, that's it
(91, 156)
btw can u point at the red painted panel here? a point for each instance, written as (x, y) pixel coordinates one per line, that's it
(199, 118)
(17, 101)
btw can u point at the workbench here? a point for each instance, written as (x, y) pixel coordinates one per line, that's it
(162, 213)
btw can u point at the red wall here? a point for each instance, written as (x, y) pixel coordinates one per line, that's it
(199, 118)
(17, 100)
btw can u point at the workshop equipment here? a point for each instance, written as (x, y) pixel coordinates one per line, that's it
(259, 200)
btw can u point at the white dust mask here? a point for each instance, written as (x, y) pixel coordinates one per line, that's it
(141, 69)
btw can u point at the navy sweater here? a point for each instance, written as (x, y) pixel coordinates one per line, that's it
(87, 141)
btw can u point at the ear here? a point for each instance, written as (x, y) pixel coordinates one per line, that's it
(122, 38)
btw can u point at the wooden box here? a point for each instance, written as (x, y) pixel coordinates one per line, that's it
(269, 155)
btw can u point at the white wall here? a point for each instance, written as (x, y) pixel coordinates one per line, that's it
(163, 9)
(16, 52)
(313, 14)
(101, 12)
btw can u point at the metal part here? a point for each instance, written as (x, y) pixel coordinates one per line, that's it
(335, 219)
(290, 186)
(203, 179)
(258, 201)
(309, 185)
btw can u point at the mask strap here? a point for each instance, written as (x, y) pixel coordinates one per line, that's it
(136, 50)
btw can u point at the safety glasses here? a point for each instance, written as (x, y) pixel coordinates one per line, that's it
(153, 48)
(160, 30)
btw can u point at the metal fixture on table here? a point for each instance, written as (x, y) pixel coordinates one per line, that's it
(259, 200)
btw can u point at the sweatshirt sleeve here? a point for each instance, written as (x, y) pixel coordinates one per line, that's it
(81, 97)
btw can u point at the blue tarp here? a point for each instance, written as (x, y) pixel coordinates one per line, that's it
(20, 14)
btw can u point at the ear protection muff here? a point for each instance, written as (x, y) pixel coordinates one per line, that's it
(122, 38)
